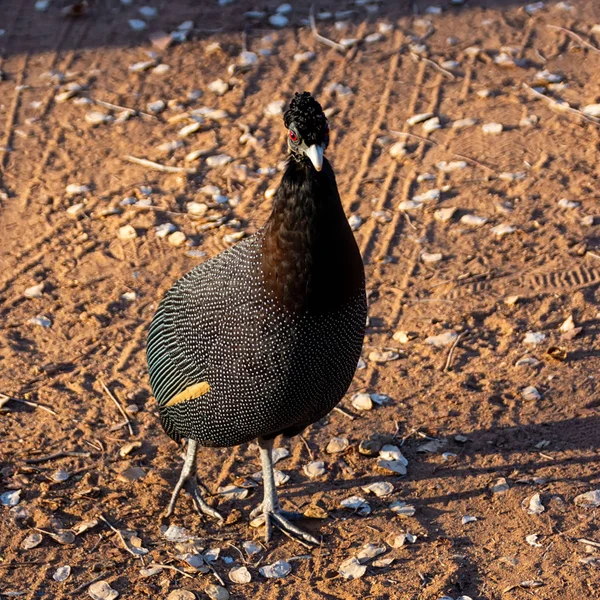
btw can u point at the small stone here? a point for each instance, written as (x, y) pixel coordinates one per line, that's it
(442, 340)
(588, 499)
(181, 595)
(189, 129)
(502, 230)
(532, 540)
(420, 118)
(168, 147)
(357, 504)
(355, 222)
(473, 220)
(427, 257)
(534, 338)
(591, 110)
(128, 448)
(277, 570)
(373, 38)
(216, 592)
(398, 150)
(352, 569)
(428, 196)
(127, 232)
(100, 590)
(60, 475)
(492, 128)
(278, 20)
(76, 189)
(41, 321)
(380, 488)
(368, 552)
(240, 575)
(314, 469)
(156, 106)
(97, 118)
(131, 474)
(137, 24)
(165, 229)
(218, 87)
(383, 356)
(62, 573)
(362, 401)
(197, 209)
(500, 486)
(35, 291)
(177, 239)
(304, 57)
(530, 393)
(409, 205)
(431, 124)
(220, 160)
(565, 203)
(337, 445)
(444, 214)
(463, 123)
(453, 165)
(31, 541)
(468, 519)
(275, 108)
(535, 506)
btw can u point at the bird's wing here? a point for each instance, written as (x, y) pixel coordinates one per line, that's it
(186, 325)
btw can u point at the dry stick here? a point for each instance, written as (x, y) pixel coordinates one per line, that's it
(561, 108)
(576, 37)
(171, 567)
(59, 454)
(214, 572)
(112, 397)
(451, 352)
(318, 36)
(433, 64)
(117, 107)
(123, 542)
(310, 453)
(144, 162)
(4, 398)
(346, 414)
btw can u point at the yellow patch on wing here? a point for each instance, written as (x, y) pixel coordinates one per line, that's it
(191, 393)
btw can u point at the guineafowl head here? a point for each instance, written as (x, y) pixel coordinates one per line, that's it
(308, 130)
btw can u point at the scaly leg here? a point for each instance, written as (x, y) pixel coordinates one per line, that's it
(188, 474)
(270, 506)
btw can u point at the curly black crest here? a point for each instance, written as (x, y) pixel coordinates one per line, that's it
(308, 116)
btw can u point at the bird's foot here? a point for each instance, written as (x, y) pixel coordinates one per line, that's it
(286, 514)
(200, 504)
(281, 519)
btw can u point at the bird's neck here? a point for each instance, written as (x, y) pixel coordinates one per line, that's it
(310, 258)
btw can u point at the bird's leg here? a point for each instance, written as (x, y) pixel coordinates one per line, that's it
(270, 507)
(188, 473)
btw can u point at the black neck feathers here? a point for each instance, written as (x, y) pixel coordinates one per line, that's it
(310, 259)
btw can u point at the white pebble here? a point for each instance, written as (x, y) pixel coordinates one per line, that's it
(352, 569)
(591, 110)
(419, 118)
(444, 214)
(278, 20)
(35, 291)
(355, 222)
(189, 129)
(177, 239)
(303, 57)
(127, 232)
(426, 257)
(137, 24)
(76, 189)
(530, 393)
(168, 147)
(473, 220)
(156, 106)
(502, 230)
(442, 340)
(275, 108)
(534, 338)
(431, 124)
(362, 401)
(433, 194)
(219, 160)
(97, 118)
(147, 11)
(565, 203)
(398, 150)
(277, 570)
(219, 87)
(409, 205)
(492, 128)
(463, 123)
(165, 229)
(454, 165)
(314, 469)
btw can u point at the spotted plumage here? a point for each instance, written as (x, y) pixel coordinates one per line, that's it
(264, 338)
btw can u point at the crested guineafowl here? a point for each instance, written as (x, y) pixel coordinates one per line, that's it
(264, 339)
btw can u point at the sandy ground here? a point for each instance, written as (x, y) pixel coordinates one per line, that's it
(492, 286)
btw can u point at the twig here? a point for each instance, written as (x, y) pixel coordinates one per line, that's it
(4, 398)
(214, 572)
(120, 535)
(144, 162)
(318, 36)
(589, 542)
(112, 397)
(171, 567)
(593, 254)
(310, 452)
(86, 584)
(346, 414)
(451, 352)
(576, 37)
(118, 107)
(563, 108)
(59, 454)
(434, 65)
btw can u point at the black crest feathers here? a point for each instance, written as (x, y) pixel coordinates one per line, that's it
(307, 115)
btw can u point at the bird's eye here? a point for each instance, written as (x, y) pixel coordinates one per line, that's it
(293, 136)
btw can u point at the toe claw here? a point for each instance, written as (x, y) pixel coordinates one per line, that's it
(280, 520)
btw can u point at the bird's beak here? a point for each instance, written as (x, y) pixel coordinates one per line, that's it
(315, 154)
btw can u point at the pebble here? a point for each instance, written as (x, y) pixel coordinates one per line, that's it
(464, 123)
(442, 340)
(428, 196)
(362, 401)
(565, 203)
(500, 486)
(420, 118)
(398, 150)
(100, 590)
(216, 592)
(35, 291)
(434, 257)
(591, 110)
(372, 38)
(31, 541)
(383, 356)
(197, 209)
(181, 595)
(62, 573)
(473, 220)
(402, 336)
(165, 229)
(380, 488)
(232, 238)
(589, 499)
(402, 509)
(314, 469)
(240, 575)
(382, 216)
(468, 519)
(530, 393)
(218, 87)
(492, 128)
(368, 552)
(357, 504)
(409, 205)
(534, 338)
(189, 129)
(141, 66)
(352, 569)
(303, 57)
(535, 505)
(95, 118)
(127, 232)
(337, 445)
(219, 160)
(137, 24)
(355, 222)
(156, 106)
(277, 570)
(278, 20)
(76, 189)
(177, 239)
(161, 69)
(169, 147)
(431, 124)
(454, 165)
(502, 230)
(41, 321)
(444, 214)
